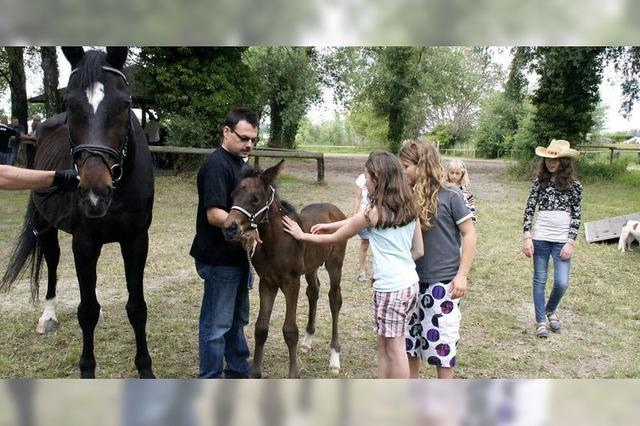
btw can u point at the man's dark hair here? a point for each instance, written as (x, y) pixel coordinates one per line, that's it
(241, 113)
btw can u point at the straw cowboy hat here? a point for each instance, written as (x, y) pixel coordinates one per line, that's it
(558, 148)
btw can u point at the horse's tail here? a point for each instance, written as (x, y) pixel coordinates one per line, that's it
(27, 250)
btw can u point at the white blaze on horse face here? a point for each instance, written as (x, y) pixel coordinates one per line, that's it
(95, 95)
(93, 198)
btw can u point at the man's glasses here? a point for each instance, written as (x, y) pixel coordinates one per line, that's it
(246, 139)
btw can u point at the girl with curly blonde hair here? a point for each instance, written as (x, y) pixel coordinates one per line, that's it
(434, 328)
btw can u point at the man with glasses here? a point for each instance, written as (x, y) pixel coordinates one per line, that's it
(223, 266)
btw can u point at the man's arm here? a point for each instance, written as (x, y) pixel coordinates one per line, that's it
(216, 216)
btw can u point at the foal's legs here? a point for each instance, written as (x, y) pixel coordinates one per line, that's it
(48, 322)
(134, 252)
(290, 328)
(313, 288)
(334, 267)
(268, 293)
(86, 253)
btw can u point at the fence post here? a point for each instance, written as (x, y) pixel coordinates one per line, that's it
(611, 155)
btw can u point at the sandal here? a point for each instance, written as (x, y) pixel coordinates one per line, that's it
(362, 277)
(554, 321)
(541, 330)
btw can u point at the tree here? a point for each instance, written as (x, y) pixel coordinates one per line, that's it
(49, 63)
(289, 85)
(195, 87)
(17, 83)
(568, 92)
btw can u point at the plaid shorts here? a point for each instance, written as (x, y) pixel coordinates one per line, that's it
(393, 309)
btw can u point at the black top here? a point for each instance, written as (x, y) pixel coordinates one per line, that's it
(5, 134)
(217, 178)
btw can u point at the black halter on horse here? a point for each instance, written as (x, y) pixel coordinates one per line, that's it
(101, 151)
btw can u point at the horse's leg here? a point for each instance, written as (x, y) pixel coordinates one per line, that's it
(134, 253)
(86, 253)
(268, 293)
(290, 328)
(48, 321)
(334, 268)
(313, 288)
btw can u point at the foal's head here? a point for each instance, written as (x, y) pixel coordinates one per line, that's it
(99, 121)
(251, 201)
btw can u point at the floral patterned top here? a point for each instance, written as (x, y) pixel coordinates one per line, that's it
(468, 200)
(550, 199)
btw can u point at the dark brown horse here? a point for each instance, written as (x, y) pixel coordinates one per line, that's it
(280, 260)
(100, 136)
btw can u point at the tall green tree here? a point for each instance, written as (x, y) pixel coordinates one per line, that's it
(568, 92)
(290, 84)
(50, 77)
(17, 83)
(195, 87)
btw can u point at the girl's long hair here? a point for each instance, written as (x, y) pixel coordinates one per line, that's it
(458, 165)
(564, 176)
(430, 178)
(392, 196)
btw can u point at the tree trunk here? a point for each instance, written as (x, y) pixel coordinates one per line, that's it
(17, 84)
(52, 98)
(276, 137)
(395, 129)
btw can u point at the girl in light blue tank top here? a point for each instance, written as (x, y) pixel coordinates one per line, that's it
(392, 220)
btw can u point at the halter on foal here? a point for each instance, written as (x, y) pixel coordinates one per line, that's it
(280, 261)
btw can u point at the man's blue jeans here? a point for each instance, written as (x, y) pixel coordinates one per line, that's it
(223, 315)
(561, 269)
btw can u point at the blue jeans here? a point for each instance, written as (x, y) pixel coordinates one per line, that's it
(561, 270)
(5, 157)
(223, 315)
(13, 154)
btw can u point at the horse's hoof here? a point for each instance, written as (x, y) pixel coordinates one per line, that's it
(47, 326)
(304, 349)
(335, 371)
(88, 374)
(256, 374)
(147, 374)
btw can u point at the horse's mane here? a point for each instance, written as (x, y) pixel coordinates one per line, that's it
(89, 69)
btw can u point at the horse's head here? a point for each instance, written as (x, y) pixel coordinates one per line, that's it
(99, 121)
(251, 201)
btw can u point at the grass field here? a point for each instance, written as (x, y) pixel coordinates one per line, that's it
(600, 312)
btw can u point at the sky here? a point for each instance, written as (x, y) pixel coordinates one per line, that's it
(610, 93)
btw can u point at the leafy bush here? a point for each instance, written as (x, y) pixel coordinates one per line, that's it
(590, 171)
(443, 135)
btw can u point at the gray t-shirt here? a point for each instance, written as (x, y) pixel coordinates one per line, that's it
(441, 258)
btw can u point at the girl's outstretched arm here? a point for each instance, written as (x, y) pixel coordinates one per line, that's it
(349, 228)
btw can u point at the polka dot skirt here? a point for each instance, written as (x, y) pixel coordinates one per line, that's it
(434, 327)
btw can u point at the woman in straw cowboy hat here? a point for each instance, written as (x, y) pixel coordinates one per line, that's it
(558, 197)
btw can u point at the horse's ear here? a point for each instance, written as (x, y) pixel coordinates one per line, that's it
(116, 56)
(272, 173)
(73, 55)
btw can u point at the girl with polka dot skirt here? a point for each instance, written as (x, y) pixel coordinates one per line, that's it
(558, 197)
(395, 239)
(434, 328)
(458, 176)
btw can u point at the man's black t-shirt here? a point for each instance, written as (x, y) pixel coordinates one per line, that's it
(5, 134)
(217, 178)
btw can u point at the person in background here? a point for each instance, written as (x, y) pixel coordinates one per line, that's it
(14, 143)
(558, 196)
(360, 203)
(457, 175)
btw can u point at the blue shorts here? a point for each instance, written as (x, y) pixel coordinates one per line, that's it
(364, 234)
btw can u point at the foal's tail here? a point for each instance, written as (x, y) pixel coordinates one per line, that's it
(26, 250)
